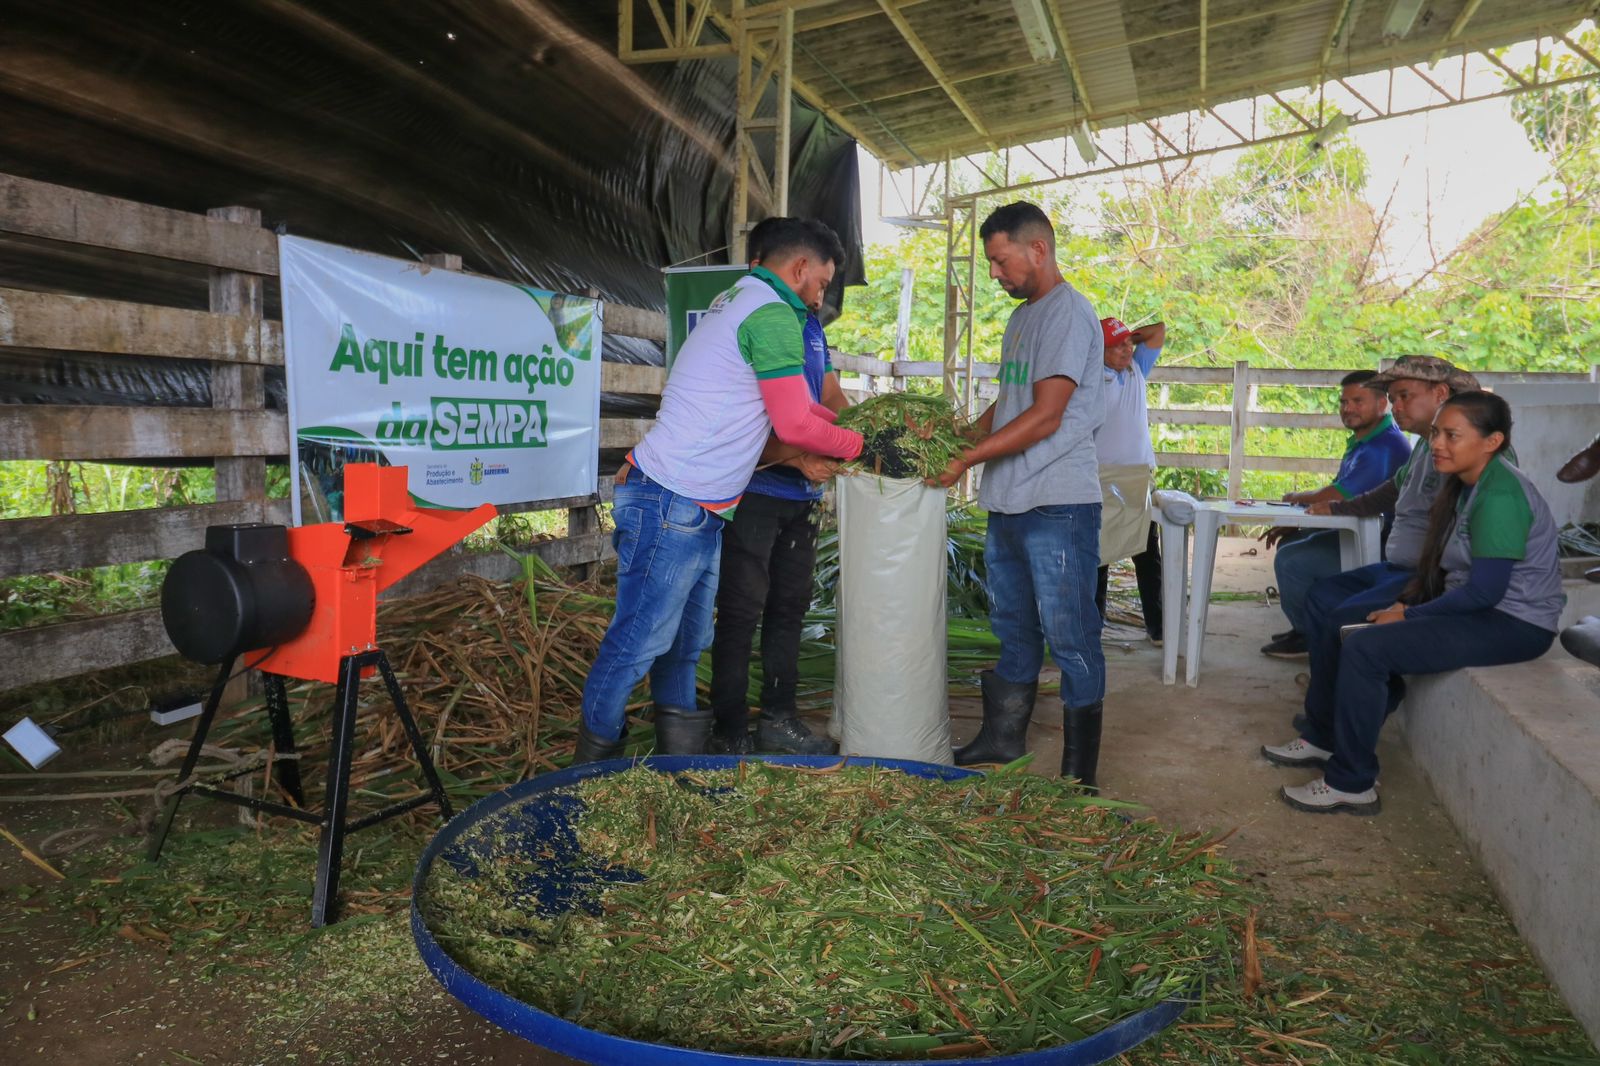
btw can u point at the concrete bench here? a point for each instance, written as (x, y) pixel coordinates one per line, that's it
(1513, 753)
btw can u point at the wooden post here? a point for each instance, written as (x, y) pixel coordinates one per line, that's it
(586, 519)
(582, 521)
(240, 386)
(902, 320)
(783, 56)
(1239, 426)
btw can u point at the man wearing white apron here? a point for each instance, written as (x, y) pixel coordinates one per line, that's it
(1126, 463)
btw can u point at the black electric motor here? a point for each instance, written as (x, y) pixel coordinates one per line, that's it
(241, 592)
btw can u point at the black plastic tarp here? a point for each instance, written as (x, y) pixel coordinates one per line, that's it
(505, 131)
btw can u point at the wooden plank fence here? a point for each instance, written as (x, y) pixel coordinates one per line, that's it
(870, 376)
(238, 433)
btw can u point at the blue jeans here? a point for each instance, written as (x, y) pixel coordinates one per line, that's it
(1299, 565)
(1348, 724)
(1341, 600)
(1042, 567)
(668, 548)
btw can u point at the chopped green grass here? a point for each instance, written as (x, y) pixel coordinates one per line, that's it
(847, 914)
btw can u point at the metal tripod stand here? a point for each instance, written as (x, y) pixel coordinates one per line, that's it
(332, 817)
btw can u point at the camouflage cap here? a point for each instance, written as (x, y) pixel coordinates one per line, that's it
(1428, 368)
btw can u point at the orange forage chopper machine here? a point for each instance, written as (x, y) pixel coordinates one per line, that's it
(302, 603)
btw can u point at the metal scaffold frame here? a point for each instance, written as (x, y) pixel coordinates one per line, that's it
(960, 257)
(1208, 131)
(760, 36)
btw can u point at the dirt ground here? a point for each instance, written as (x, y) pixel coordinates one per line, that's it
(1188, 755)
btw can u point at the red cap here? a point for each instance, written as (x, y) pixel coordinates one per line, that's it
(1116, 332)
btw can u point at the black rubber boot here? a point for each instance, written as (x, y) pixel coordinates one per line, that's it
(1007, 709)
(1080, 742)
(779, 729)
(592, 748)
(682, 731)
(784, 733)
(737, 741)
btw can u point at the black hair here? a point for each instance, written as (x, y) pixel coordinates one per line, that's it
(781, 238)
(1021, 222)
(1360, 377)
(833, 247)
(1488, 414)
(760, 237)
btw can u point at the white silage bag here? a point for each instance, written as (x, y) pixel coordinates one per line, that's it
(890, 696)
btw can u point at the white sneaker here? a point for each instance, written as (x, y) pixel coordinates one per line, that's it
(1318, 798)
(1298, 752)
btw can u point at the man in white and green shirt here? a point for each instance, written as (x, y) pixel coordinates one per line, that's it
(738, 378)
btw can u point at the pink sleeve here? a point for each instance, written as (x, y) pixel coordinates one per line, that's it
(789, 406)
(827, 414)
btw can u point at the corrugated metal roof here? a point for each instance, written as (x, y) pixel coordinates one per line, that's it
(1134, 59)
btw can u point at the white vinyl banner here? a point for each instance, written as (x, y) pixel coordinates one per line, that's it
(488, 392)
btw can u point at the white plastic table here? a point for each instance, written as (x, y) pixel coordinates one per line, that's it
(1358, 546)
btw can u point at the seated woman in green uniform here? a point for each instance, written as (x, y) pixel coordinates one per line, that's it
(1487, 592)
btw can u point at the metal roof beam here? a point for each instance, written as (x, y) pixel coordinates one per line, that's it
(707, 10)
(868, 10)
(1259, 84)
(1456, 28)
(1216, 24)
(1334, 33)
(922, 53)
(1068, 58)
(1164, 150)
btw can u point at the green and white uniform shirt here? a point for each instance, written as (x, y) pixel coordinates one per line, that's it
(1504, 517)
(712, 425)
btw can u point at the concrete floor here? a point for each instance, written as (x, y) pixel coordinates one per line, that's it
(1191, 755)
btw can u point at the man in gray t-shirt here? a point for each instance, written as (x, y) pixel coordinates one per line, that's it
(1041, 487)
(1055, 336)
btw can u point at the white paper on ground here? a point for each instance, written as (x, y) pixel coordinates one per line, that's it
(32, 743)
(890, 691)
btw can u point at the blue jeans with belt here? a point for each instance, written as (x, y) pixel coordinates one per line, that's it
(1042, 566)
(668, 549)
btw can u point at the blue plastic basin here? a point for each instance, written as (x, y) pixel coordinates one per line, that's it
(546, 821)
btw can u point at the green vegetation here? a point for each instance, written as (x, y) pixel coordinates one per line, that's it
(906, 434)
(841, 913)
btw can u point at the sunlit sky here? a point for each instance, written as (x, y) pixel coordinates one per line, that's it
(1465, 163)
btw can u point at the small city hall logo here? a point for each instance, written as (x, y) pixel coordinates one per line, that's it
(475, 472)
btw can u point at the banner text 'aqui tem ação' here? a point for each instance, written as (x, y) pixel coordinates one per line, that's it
(488, 392)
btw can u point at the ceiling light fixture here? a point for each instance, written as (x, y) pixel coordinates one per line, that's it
(1401, 18)
(1083, 138)
(1035, 29)
(1336, 125)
